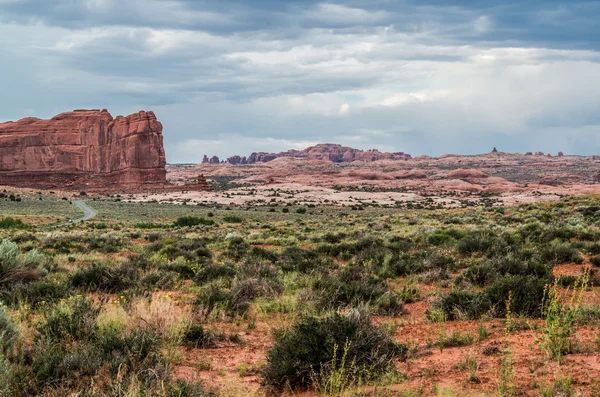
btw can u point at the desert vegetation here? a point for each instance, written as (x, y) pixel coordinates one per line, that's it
(151, 299)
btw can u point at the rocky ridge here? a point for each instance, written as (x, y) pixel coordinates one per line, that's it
(325, 152)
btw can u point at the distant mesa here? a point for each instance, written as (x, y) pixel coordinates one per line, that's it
(325, 152)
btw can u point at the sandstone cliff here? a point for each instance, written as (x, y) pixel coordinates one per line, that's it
(326, 151)
(83, 149)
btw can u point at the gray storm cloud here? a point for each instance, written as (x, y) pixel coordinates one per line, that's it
(253, 76)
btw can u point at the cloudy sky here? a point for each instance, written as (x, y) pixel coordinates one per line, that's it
(231, 76)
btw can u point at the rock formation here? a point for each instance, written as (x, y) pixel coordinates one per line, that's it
(202, 183)
(83, 149)
(237, 160)
(214, 160)
(327, 152)
(205, 160)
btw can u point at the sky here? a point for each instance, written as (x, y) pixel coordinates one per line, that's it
(233, 77)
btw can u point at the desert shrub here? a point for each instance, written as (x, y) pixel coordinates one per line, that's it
(100, 277)
(237, 299)
(334, 238)
(294, 259)
(493, 268)
(107, 243)
(213, 271)
(161, 280)
(368, 248)
(480, 275)
(476, 242)
(197, 336)
(261, 253)
(460, 304)
(35, 292)
(152, 237)
(8, 331)
(237, 248)
(527, 295)
(12, 223)
(139, 261)
(132, 350)
(150, 225)
(593, 248)
(440, 237)
(74, 318)
(214, 296)
(16, 267)
(243, 292)
(186, 270)
(184, 221)
(170, 252)
(300, 352)
(354, 286)
(558, 253)
(595, 260)
(232, 219)
(180, 388)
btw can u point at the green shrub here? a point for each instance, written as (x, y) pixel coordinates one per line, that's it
(100, 277)
(180, 388)
(527, 291)
(294, 259)
(527, 295)
(192, 221)
(232, 219)
(213, 271)
(19, 268)
(476, 242)
(12, 223)
(8, 332)
(237, 248)
(150, 225)
(595, 260)
(463, 305)
(73, 318)
(44, 290)
(300, 352)
(558, 253)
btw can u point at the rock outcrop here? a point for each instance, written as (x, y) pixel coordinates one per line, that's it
(325, 152)
(237, 160)
(202, 183)
(83, 149)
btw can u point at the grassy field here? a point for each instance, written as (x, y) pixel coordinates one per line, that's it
(178, 300)
(49, 209)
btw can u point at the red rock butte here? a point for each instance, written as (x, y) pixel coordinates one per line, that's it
(83, 149)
